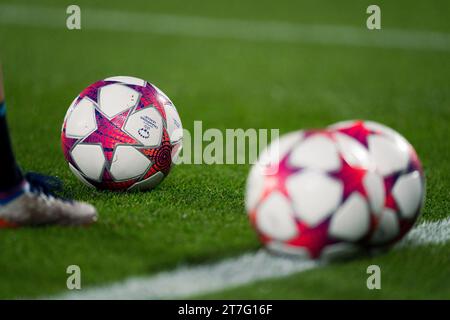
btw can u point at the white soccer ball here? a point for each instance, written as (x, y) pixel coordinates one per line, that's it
(314, 193)
(121, 133)
(403, 179)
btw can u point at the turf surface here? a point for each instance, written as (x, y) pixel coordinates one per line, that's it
(197, 213)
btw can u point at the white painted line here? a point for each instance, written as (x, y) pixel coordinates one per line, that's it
(437, 232)
(247, 268)
(204, 27)
(187, 281)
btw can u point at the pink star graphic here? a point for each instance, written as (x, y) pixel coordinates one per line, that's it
(277, 181)
(352, 179)
(358, 131)
(109, 133)
(314, 239)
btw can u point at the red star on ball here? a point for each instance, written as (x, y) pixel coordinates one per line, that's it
(109, 133)
(358, 131)
(313, 239)
(277, 180)
(352, 179)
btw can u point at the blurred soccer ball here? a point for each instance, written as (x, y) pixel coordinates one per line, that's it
(315, 193)
(404, 182)
(121, 133)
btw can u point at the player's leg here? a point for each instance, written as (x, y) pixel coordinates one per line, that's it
(10, 175)
(28, 200)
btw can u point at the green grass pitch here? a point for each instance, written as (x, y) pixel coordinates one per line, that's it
(197, 214)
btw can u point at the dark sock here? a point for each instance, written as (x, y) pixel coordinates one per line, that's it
(10, 174)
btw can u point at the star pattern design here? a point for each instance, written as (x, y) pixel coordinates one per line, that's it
(312, 239)
(277, 181)
(358, 131)
(109, 133)
(352, 179)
